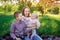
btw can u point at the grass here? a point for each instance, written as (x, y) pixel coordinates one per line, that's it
(5, 21)
(50, 25)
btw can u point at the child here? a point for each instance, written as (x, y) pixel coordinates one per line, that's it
(36, 24)
(34, 21)
(17, 27)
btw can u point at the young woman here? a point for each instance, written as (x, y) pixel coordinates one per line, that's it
(26, 16)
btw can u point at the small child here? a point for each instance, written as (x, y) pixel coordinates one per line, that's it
(17, 27)
(34, 21)
(36, 24)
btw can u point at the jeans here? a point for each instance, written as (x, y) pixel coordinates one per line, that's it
(36, 37)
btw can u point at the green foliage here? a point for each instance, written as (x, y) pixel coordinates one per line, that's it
(8, 8)
(21, 5)
(14, 7)
(49, 10)
(40, 8)
(33, 9)
(1, 8)
(29, 4)
(55, 10)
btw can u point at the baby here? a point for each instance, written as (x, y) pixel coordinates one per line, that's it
(33, 21)
(35, 24)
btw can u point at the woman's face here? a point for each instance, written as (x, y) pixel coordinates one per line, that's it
(26, 11)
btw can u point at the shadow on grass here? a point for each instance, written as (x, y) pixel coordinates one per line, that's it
(5, 21)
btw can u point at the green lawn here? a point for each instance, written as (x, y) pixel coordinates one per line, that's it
(5, 21)
(50, 25)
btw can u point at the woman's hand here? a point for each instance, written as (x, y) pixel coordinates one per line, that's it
(29, 25)
(32, 26)
(18, 39)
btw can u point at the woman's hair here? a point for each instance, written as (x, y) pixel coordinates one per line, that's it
(16, 13)
(24, 10)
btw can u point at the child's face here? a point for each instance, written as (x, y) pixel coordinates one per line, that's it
(33, 16)
(19, 17)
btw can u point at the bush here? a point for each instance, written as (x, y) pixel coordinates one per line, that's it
(21, 5)
(55, 10)
(40, 8)
(1, 9)
(33, 9)
(6, 8)
(49, 10)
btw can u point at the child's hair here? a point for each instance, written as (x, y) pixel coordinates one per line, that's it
(16, 13)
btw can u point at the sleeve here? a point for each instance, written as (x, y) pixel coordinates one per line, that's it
(38, 24)
(23, 18)
(25, 27)
(12, 29)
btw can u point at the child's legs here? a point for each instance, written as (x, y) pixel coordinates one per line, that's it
(35, 37)
(33, 32)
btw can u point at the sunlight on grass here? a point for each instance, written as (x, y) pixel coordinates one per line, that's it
(57, 17)
(43, 24)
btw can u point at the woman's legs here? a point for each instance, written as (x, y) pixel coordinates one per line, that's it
(26, 38)
(36, 37)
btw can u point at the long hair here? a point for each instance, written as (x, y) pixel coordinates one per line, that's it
(24, 10)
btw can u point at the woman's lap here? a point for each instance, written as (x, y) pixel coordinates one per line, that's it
(36, 37)
(26, 38)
